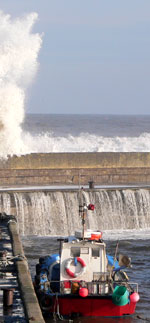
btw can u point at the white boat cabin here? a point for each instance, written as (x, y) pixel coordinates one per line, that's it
(83, 260)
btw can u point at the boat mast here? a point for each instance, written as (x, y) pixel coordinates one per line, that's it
(82, 211)
(84, 214)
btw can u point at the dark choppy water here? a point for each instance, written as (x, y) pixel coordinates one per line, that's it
(138, 250)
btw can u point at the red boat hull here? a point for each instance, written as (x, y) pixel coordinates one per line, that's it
(91, 306)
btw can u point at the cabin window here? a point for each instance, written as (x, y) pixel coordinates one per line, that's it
(75, 252)
(95, 252)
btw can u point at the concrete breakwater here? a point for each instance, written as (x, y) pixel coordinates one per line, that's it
(72, 168)
(31, 305)
(15, 278)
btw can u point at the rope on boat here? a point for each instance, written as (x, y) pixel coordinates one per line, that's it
(57, 313)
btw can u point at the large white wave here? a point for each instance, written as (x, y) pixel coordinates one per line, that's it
(19, 48)
(84, 142)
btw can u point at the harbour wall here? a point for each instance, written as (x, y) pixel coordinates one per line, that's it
(56, 212)
(74, 168)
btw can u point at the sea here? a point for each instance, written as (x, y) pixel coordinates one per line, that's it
(94, 133)
(86, 133)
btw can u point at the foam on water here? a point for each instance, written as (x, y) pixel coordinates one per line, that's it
(84, 142)
(19, 48)
(133, 234)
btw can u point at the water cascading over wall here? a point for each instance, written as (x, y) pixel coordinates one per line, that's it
(57, 212)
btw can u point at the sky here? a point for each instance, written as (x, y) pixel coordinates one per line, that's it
(95, 55)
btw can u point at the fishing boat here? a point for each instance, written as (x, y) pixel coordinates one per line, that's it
(83, 279)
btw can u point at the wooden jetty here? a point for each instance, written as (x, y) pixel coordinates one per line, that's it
(18, 302)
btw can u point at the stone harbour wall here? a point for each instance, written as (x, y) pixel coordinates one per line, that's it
(74, 168)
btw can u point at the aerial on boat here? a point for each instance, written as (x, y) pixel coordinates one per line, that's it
(83, 280)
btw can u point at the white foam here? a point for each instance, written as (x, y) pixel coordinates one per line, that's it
(133, 234)
(84, 142)
(18, 64)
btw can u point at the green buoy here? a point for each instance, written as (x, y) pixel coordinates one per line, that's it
(120, 296)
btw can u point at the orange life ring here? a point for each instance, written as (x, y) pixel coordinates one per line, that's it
(71, 273)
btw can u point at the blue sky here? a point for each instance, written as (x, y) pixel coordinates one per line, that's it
(95, 56)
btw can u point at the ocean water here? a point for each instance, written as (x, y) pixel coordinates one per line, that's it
(62, 125)
(85, 133)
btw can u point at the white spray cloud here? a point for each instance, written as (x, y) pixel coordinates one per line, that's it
(19, 49)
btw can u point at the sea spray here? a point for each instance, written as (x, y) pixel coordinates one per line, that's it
(19, 49)
(85, 142)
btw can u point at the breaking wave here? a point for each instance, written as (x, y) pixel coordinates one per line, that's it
(47, 142)
(19, 49)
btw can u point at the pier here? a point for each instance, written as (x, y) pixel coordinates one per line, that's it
(18, 302)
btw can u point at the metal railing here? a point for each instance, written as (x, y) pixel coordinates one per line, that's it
(105, 287)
